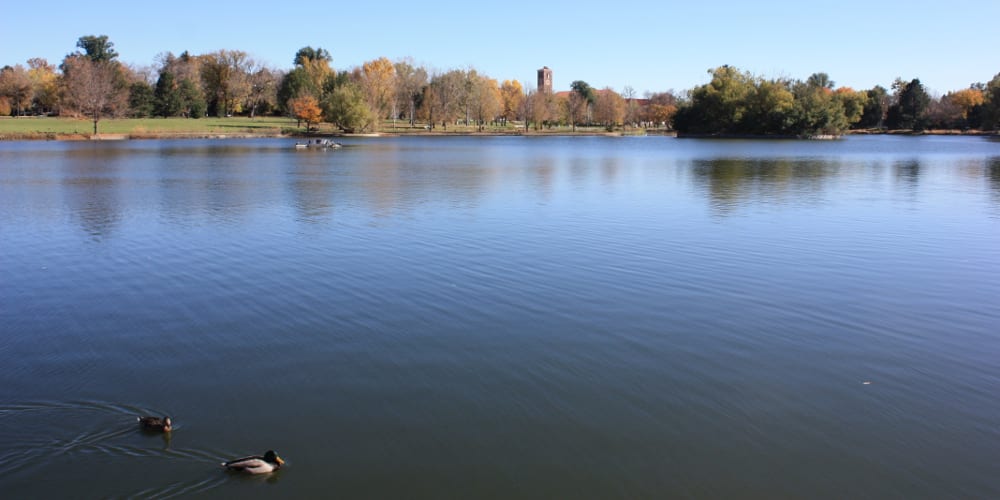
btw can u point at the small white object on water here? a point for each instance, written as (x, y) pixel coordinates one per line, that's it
(867, 382)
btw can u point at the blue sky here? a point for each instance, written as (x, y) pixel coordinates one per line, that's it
(650, 45)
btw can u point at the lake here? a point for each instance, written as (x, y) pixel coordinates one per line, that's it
(502, 317)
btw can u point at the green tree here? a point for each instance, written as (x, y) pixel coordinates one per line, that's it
(820, 80)
(97, 48)
(875, 107)
(911, 107)
(718, 106)
(345, 107)
(990, 109)
(769, 109)
(167, 96)
(816, 111)
(307, 54)
(141, 100)
(193, 103)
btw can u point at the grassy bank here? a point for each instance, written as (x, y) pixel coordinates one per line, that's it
(60, 128)
(70, 128)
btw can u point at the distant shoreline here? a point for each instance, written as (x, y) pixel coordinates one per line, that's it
(59, 129)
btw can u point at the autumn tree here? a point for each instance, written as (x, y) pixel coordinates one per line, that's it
(262, 88)
(541, 108)
(45, 85)
(378, 81)
(312, 75)
(512, 100)
(579, 101)
(15, 85)
(660, 110)
(448, 91)
(409, 82)
(306, 109)
(609, 108)
(485, 99)
(966, 100)
(224, 76)
(631, 104)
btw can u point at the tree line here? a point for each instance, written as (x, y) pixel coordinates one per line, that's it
(93, 83)
(736, 102)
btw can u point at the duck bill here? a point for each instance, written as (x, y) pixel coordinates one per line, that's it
(280, 461)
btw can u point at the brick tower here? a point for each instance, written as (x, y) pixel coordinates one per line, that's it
(545, 80)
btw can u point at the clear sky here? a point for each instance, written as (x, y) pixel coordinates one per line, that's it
(650, 45)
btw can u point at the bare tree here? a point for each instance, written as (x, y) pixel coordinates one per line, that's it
(263, 87)
(409, 82)
(94, 88)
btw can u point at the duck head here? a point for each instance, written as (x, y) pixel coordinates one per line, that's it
(273, 458)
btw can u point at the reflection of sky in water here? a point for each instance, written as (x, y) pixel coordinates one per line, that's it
(226, 182)
(597, 309)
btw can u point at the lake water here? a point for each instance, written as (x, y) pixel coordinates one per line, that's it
(467, 317)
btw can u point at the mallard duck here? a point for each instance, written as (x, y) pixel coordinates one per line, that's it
(156, 424)
(256, 464)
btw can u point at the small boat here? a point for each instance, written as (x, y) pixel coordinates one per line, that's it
(318, 144)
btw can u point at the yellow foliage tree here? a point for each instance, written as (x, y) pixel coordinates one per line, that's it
(966, 99)
(378, 82)
(512, 97)
(45, 82)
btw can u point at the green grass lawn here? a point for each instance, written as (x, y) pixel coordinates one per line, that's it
(28, 126)
(69, 128)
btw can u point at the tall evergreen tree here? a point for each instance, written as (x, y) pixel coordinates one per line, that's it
(167, 96)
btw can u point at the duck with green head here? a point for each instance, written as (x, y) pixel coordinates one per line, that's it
(256, 464)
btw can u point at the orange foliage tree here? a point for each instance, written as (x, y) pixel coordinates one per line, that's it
(306, 108)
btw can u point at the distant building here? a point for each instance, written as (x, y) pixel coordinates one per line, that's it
(545, 80)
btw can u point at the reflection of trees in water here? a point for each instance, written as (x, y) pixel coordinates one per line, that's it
(908, 175)
(736, 182)
(993, 176)
(214, 180)
(311, 185)
(89, 185)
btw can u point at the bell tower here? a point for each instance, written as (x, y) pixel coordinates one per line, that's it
(545, 80)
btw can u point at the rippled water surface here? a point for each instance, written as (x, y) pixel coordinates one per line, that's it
(503, 317)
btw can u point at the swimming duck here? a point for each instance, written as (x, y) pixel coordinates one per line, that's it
(155, 424)
(256, 464)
